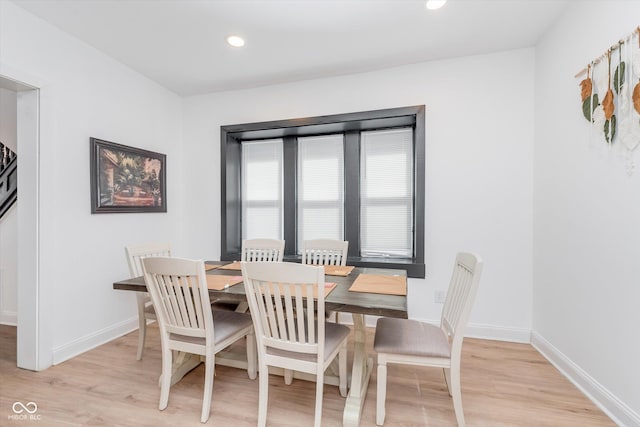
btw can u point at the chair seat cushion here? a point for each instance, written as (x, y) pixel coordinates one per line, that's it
(225, 324)
(405, 336)
(334, 335)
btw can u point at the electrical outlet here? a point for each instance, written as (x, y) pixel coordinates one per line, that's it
(439, 297)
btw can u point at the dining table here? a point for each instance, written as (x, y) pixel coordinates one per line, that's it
(340, 299)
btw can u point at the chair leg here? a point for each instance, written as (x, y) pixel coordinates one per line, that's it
(381, 391)
(142, 334)
(209, 370)
(288, 376)
(263, 399)
(456, 394)
(319, 396)
(342, 370)
(252, 355)
(165, 382)
(447, 379)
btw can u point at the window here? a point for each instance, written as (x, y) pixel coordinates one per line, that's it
(356, 176)
(262, 189)
(386, 193)
(320, 188)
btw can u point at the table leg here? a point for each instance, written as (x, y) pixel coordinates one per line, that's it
(183, 363)
(360, 374)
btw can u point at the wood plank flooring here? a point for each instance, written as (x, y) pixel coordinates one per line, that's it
(503, 384)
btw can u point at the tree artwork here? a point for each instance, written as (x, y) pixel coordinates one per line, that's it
(126, 179)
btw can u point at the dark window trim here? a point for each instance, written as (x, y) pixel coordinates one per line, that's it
(289, 193)
(350, 124)
(352, 192)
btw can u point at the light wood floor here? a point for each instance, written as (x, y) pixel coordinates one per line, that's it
(503, 384)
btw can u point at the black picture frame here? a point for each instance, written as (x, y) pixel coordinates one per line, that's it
(126, 179)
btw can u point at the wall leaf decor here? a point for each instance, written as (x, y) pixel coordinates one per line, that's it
(610, 95)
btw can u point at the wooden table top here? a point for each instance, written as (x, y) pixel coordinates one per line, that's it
(340, 299)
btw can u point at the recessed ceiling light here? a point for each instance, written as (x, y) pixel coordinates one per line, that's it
(435, 4)
(235, 41)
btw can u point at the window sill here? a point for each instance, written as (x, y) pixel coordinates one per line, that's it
(413, 268)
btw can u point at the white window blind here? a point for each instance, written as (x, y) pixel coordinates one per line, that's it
(386, 193)
(262, 202)
(320, 188)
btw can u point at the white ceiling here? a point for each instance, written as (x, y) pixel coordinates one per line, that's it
(181, 43)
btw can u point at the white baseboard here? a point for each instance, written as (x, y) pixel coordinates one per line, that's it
(619, 412)
(91, 341)
(498, 333)
(8, 318)
(492, 332)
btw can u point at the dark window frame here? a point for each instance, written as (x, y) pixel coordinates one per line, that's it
(349, 124)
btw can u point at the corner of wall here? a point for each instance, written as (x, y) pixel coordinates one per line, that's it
(617, 410)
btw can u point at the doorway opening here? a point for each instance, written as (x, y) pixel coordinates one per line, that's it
(19, 230)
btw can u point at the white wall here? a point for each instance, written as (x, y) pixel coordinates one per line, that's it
(9, 222)
(8, 123)
(479, 151)
(586, 246)
(84, 93)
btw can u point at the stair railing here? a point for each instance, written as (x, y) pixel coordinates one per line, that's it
(8, 178)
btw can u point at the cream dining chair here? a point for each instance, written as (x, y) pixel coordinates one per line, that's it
(134, 254)
(409, 342)
(325, 252)
(262, 250)
(270, 250)
(178, 289)
(282, 304)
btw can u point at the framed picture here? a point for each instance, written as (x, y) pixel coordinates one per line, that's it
(126, 179)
